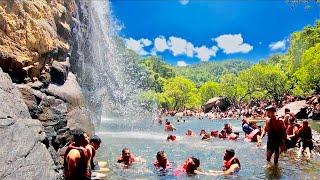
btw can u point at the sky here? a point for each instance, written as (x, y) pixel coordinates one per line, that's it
(186, 32)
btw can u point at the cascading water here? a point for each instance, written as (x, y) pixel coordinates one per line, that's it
(106, 69)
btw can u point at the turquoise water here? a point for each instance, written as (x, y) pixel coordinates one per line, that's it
(145, 139)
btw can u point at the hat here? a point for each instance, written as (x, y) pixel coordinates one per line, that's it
(270, 108)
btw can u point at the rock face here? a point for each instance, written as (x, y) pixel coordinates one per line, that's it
(297, 107)
(21, 138)
(33, 33)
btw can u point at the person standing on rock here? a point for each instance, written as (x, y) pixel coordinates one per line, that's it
(76, 157)
(276, 135)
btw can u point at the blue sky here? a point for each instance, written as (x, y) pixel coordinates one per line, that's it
(186, 32)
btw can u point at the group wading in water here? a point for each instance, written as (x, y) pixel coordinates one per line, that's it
(283, 133)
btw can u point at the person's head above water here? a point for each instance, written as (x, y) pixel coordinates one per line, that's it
(80, 137)
(162, 160)
(191, 165)
(229, 153)
(171, 137)
(305, 123)
(95, 141)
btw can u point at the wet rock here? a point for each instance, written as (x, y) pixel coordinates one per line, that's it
(70, 92)
(78, 118)
(59, 72)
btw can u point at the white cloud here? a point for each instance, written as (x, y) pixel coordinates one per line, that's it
(279, 45)
(204, 53)
(138, 45)
(146, 42)
(180, 46)
(233, 44)
(182, 63)
(184, 2)
(160, 45)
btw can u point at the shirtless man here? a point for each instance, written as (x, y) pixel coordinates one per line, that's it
(126, 157)
(276, 134)
(77, 157)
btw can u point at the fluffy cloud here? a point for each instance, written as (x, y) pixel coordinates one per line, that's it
(182, 63)
(233, 44)
(279, 45)
(184, 2)
(204, 53)
(160, 44)
(180, 46)
(138, 45)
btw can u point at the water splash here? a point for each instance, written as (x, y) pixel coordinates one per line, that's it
(108, 72)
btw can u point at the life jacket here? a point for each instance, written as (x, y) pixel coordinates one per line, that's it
(83, 171)
(227, 164)
(214, 133)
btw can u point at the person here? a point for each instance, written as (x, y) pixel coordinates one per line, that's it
(190, 132)
(169, 127)
(96, 166)
(214, 133)
(162, 162)
(231, 164)
(206, 136)
(305, 134)
(191, 166)
(227, 128)
(276, 134)
(254, 136)
(223, 134)
(77, 157)
(171, 137)
(126, 157)
(245, 127)
(202, 132)
(233, 136)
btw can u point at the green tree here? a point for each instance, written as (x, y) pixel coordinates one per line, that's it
(209, 90)
(180, 93)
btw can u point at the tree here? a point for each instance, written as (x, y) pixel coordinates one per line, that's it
(180, 93)
(209, 90)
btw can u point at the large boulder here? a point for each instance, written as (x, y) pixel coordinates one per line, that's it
(23, 155)
(297, 107)
(12, 104)
(59, 72)
(70, 91)
(78, 118)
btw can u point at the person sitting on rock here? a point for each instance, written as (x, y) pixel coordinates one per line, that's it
(162, 161)
(77, 157)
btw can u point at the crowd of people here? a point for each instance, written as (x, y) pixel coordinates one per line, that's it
(283, 133)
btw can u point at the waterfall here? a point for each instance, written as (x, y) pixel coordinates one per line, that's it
(106, 70)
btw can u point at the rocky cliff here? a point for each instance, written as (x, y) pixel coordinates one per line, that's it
(41, 99)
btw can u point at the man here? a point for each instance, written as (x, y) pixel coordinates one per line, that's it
(231, 163)
(227, 128)
(245, 127)
(169, 127)
(76, 157)
(276, 134)
(191, 166)
(305, 134)
(95, 142)
(126, 157)
(162, 162)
